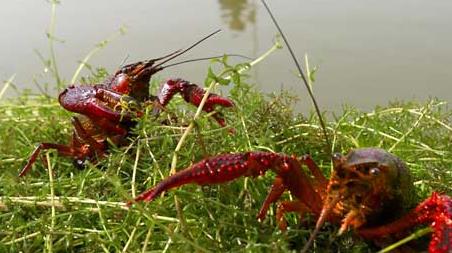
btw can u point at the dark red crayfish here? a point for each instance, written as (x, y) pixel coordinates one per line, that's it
(101, 108)
(368, 191)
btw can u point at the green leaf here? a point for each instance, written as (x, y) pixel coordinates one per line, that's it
(242, 66)
(224, 60)
(235, 78)
(223, 81)
(210, 73)
(208, 81)
(312, 74)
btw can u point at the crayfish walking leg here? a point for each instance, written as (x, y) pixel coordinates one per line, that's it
(82, 146)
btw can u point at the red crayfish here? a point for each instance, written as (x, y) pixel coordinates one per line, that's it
(368, 191)
(101, 108)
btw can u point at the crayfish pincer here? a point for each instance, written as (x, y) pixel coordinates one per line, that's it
(369, 191)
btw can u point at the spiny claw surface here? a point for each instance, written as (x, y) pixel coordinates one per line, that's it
(216, 170)
(439, 207)
(193, 94)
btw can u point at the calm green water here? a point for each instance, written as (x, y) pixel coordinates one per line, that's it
(369, 52)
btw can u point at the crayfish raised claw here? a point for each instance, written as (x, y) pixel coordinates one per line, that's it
(104, 112)
(369, 191)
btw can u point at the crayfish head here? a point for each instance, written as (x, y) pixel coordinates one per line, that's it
(133, 79)
(370, 186)
(121, 83)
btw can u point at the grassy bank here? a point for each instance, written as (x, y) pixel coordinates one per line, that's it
(84, 210)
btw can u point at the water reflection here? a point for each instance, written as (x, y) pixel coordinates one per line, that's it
(237, 13)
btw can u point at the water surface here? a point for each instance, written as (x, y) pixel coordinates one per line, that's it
(368, 52)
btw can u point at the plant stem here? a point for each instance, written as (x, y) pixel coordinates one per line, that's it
(49, 243)
(6, 85)
(413, 236)
(134, 171)
(302, 75)
(51, 36)
(93, 51)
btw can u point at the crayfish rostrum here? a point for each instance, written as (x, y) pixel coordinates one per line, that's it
(103, 109)
(369, 191)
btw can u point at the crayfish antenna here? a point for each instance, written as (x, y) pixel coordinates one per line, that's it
(326, 210)
(208, 58)
(181, 52)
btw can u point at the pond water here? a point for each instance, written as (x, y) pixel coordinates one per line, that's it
(368, 52)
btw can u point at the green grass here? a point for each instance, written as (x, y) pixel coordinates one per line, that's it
(66, 209)
(88, 212)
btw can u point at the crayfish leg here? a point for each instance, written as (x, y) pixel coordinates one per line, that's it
(62, 150)
(286, 207)
(320, 179)
(276, 190)
(82, 145)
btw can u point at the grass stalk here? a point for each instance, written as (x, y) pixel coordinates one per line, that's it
(51, 38)
(134, 170)
(103, 223)
(146, 240)
(417, 234)
(23, 238)
(6, 85)
(132, 234)
(49, 239)
(416, 124)
(99, 46)
(58, 202)
(302, 75)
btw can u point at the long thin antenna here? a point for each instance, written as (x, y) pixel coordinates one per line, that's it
(326, 210)
(177, 53)
(300, 70)
(207, 58)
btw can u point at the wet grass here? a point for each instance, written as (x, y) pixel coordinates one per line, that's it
(84, 210)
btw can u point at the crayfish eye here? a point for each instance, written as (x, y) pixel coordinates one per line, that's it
(337, 156)
(121, 84)
(374, 171)
(79, 164)
(337, 159)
